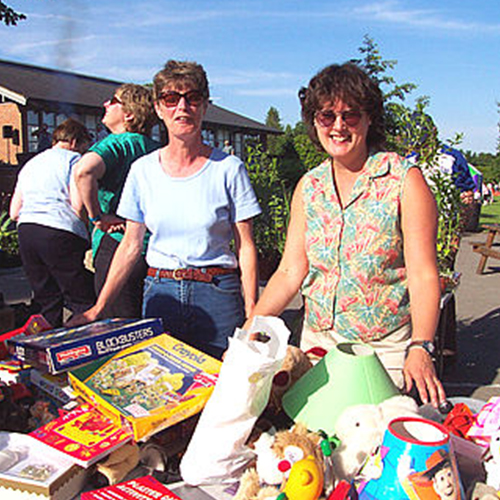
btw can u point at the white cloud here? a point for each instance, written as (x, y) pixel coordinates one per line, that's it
(21, 48)
(392, 12)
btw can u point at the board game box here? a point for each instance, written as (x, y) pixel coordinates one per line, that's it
(145, 488)
(84, 435)
(149, 386)
(31, 469)
(62, 349)
(55, 386)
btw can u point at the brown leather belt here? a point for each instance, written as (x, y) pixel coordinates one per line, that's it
(204, 274)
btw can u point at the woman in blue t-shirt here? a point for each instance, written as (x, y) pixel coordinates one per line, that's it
(53, 237)
(194, 200)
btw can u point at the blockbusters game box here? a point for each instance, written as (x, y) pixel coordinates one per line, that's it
(66, 348)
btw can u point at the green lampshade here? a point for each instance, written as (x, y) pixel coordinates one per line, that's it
(350, 374)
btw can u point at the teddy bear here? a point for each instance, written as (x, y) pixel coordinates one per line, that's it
(360, 430)
(295, 364)
(276, 456)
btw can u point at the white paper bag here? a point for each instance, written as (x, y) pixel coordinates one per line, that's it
(217, 450)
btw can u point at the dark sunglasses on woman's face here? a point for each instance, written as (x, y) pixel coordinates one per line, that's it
(115, 100)
(171, 98)
(328, 117)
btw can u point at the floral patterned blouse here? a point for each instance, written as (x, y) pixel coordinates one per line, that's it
(357, 284)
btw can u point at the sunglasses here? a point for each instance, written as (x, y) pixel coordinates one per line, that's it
(115, 100)
(171, 98)
(328, 117)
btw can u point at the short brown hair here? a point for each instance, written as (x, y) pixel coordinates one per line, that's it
(72, 130)
(137, 100)
(353, 86)
(181, 73)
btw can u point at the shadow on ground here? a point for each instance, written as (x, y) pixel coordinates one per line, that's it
(478, 355)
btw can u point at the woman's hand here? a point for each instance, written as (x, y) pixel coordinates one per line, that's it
(419, 370)
(83, 318)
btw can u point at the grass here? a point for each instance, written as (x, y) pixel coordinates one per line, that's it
(490, 213)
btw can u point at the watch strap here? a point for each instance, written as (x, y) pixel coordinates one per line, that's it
(95, 219)
(427, 345)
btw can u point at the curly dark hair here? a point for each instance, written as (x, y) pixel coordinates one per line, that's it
(353, 86)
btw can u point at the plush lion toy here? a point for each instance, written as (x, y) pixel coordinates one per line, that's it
(276, 456)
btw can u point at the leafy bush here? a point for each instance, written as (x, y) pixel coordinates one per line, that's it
(274, 198)
(8, 235)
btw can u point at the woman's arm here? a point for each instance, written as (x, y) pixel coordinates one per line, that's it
(75, 198)
(293, 268)
(247, 258)
(419, 226)
(128, 252)
(15, 204)
(89, 169)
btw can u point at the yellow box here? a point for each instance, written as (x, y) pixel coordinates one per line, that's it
(149, 386)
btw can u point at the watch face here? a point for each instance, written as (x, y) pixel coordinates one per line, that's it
(428, 346)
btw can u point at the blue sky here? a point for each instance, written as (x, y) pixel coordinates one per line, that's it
(258, 53)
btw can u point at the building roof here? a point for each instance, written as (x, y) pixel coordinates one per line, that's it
(21, 82)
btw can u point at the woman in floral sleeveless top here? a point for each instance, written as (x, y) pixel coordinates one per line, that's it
(361, 240)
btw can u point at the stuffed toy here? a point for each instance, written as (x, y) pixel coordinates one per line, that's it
(305, 482)
(276, 456)
(361, 428)
(119, 463)
(295, 364)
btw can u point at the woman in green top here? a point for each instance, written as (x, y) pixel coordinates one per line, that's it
(100, 176)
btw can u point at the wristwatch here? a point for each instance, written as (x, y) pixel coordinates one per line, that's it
(426, 345)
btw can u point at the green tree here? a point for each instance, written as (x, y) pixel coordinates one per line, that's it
(308, 153)
(9, 16)
(274, 142)
(378, 68)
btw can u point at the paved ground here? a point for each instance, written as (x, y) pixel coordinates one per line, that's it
(476, 370)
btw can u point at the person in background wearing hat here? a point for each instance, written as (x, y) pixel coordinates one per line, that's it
(195, 201)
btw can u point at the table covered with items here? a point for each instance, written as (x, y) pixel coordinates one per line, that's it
(119, 409)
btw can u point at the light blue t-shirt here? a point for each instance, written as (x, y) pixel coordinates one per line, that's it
(44, 185)
(190, 218)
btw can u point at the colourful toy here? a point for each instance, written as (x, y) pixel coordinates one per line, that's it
(276, 457)
(295, 365)
(305, 481)
(360, 430)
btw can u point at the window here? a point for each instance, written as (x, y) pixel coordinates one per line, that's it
(238, 145)
(60, 118)
(32, 118)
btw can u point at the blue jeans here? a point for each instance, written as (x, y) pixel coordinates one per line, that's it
(201, 314)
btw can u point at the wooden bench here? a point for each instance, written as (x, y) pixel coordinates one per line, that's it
(485, 248)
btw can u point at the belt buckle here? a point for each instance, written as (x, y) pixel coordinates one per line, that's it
(175, 276)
